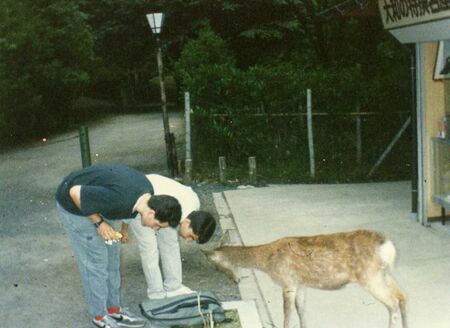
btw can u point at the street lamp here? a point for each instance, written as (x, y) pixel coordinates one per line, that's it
(156, 21)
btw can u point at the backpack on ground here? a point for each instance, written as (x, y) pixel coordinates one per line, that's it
(189, 309)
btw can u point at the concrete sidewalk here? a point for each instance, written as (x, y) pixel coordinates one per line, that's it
(260, 215)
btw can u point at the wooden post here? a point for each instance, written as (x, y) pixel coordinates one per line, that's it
(252, 170)
(168, 137)
(312, 166)
(187, 123)
(222, 169)
(358, 135)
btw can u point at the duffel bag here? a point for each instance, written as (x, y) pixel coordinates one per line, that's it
(188, 309)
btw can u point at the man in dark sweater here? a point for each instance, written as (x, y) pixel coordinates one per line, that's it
(86, 200)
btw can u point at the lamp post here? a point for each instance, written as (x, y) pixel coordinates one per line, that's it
(156, 21)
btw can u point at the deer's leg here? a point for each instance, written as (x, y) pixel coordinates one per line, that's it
(400, 296)
(379, 287)
(300, 305)
(288, 305)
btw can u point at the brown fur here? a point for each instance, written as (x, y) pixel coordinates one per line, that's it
(324, 262)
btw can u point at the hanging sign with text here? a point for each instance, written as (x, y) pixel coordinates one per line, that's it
(400, 13)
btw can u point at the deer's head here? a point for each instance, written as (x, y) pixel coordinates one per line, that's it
(223, 263)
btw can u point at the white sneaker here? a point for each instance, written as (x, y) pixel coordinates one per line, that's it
(106, 322)
(156, 296)
(183, 290)
(125, 318)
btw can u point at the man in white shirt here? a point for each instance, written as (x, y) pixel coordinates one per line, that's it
(163, 243)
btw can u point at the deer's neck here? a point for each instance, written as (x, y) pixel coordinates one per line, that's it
(251, 257)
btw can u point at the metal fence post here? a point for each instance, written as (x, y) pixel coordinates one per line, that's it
(84, 146)
(252, 170)
(188, 170)
(312, 164)
(358, 135)
(222, 169)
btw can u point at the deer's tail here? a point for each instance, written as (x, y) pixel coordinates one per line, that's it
(387, 253)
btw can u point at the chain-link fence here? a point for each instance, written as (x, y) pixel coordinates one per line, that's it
(346, 145)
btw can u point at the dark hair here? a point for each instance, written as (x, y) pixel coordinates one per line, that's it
(167, 209)
(203, 225)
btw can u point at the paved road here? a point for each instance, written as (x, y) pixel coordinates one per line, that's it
(39, 280)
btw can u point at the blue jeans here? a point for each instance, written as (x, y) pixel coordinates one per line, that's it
(98, 263)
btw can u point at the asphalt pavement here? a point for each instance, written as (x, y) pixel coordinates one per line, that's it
(40, 286)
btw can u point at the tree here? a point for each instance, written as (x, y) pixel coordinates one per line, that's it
(124, 47)
(45, 57)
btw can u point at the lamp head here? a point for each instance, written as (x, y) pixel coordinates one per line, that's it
(156, 21)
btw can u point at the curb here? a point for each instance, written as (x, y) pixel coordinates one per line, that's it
(248, 314)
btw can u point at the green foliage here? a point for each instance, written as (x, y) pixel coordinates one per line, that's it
(236, 58)
(45, 56)
(260, 111)
(206, 69)
(124, 47)
(336, 89)
(207, 48)
(387, 83)
(123, 38)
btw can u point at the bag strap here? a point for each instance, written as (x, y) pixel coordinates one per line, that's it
(190, 301)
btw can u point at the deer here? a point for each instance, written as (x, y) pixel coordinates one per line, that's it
(326, 261)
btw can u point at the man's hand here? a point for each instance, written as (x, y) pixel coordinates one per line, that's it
(124, 232)
(106, 232)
